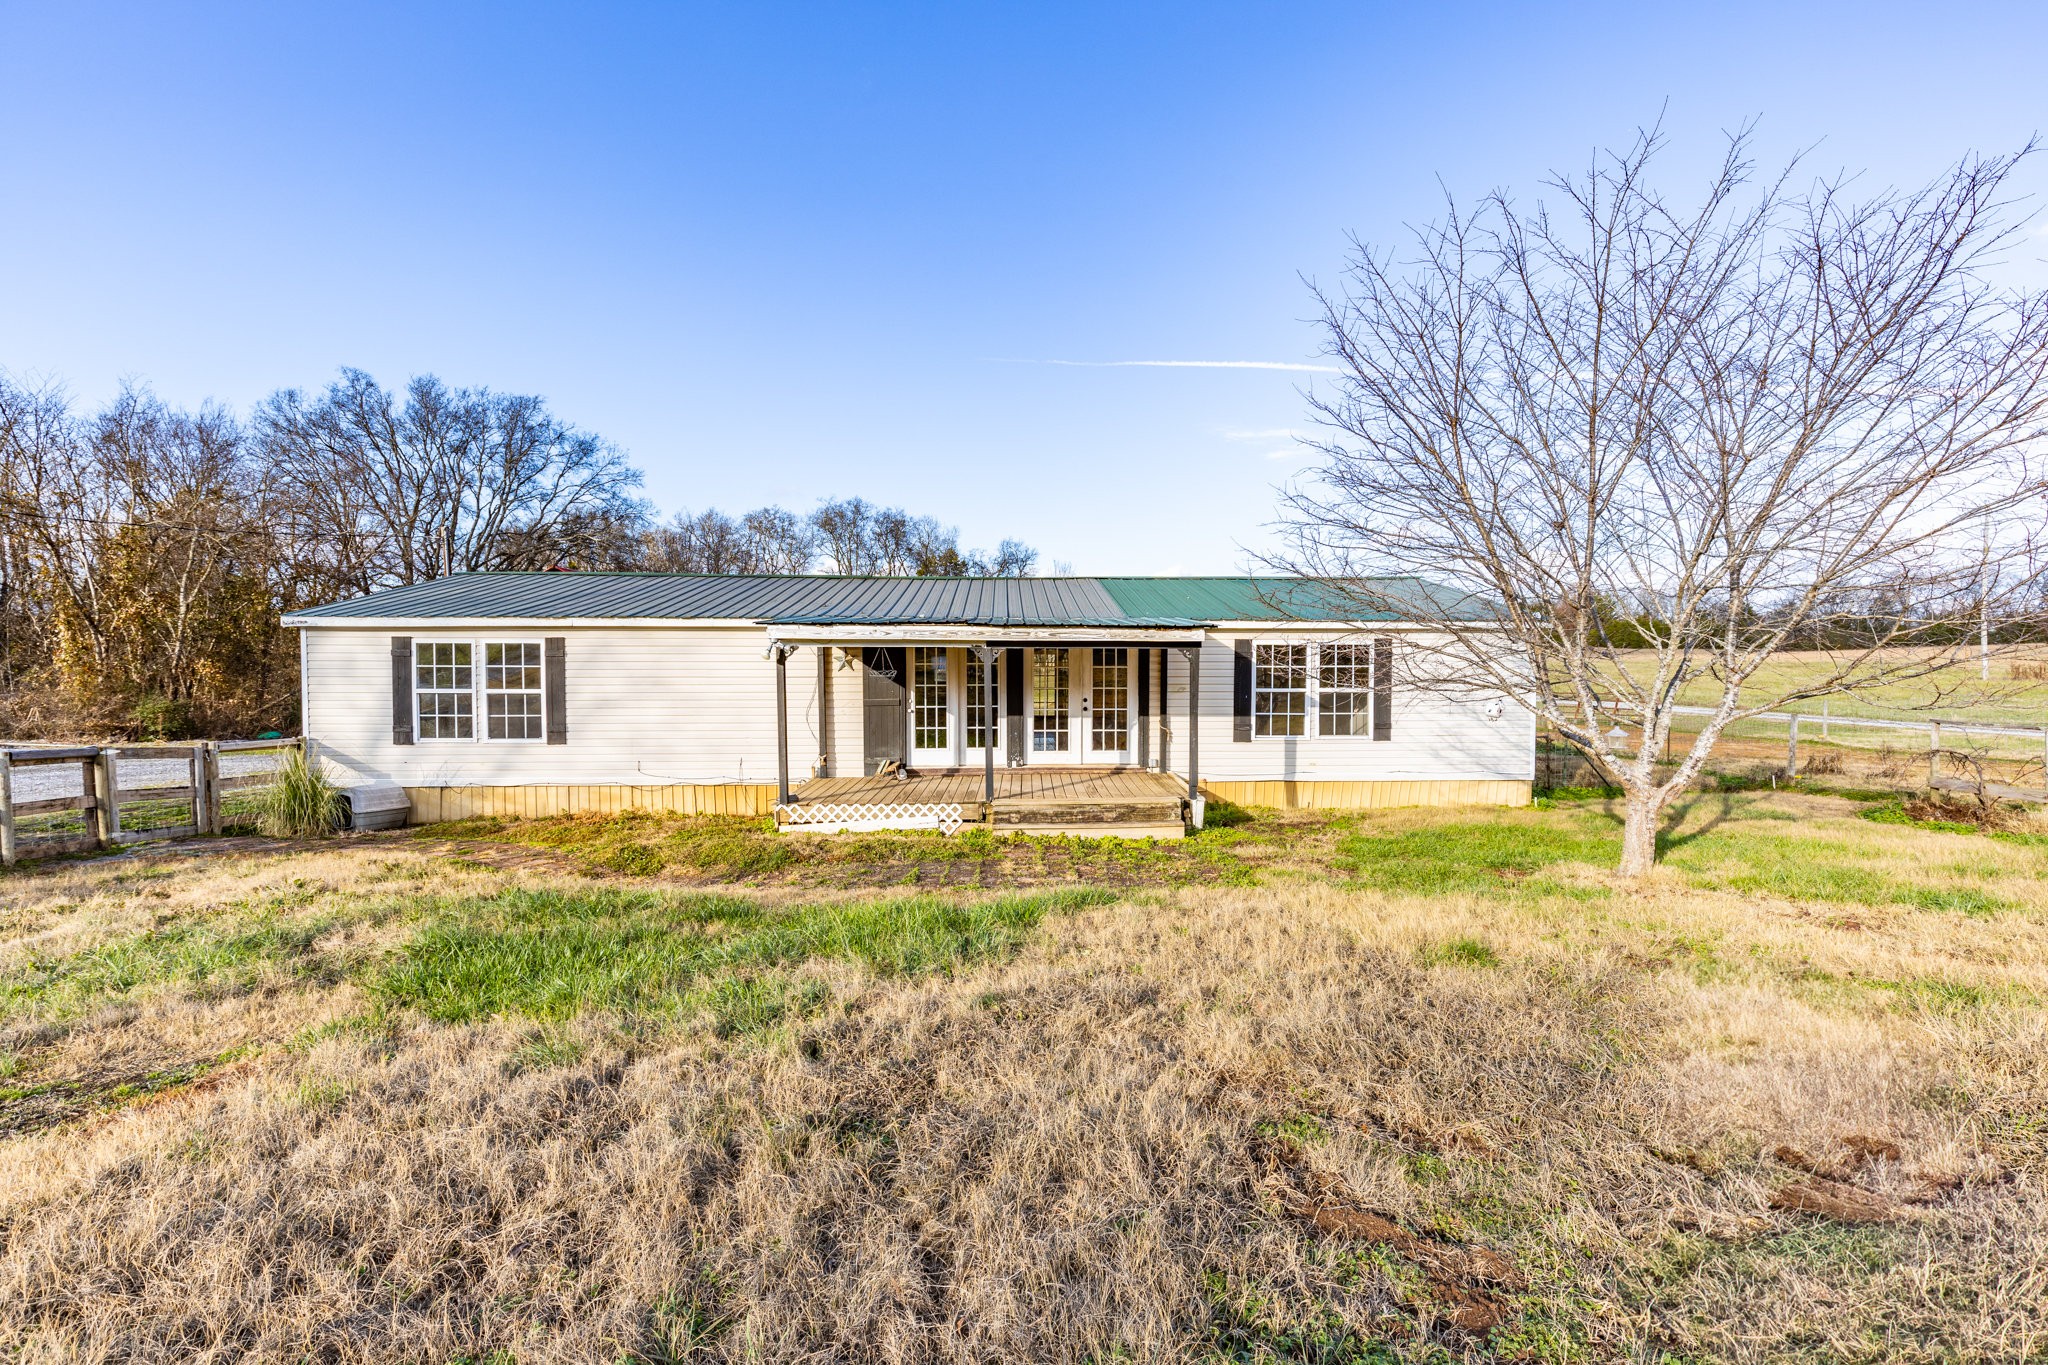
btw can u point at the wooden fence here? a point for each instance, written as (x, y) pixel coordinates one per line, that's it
(107, 813)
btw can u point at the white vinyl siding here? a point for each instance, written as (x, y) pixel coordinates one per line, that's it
(645, 706)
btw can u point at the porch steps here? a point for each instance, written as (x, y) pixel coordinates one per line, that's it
(1084, 816)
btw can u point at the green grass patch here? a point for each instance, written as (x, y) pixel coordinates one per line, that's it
(555, 954)
(1810, 867)
(1306, 1129)
(1505, 854)
(1894, 813)
(1459, 952)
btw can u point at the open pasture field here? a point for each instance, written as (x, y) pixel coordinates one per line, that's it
(1394, 1086)
(2016, 693)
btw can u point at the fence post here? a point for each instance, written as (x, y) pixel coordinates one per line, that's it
(1792, 747)
(99, 784)
(6, 809)
(199, 788)
(212, 748)
(1933, 753)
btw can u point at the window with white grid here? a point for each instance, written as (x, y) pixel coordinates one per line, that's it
(981, 730)
(1280, 690)
(928, 699)
(512, 691)
(444, 691)
(1343, 689)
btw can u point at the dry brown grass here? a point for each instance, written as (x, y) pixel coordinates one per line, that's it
(1103, 1146)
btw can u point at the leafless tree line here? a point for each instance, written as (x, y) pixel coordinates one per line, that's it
(847, 536)
(146, 553)
(1780, 413)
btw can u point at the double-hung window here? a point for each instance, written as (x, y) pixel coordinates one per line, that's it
(1280, 690)
(448, 683)
(512, 691)
(444, 688)
(1343, 689)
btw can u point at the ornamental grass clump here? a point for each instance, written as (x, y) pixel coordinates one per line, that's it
(301, 803)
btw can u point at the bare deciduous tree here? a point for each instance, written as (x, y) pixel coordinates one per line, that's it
(1782, 414)
(449, 481)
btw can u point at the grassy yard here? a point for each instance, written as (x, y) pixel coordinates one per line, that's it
(1390, 1086)
(2016, 693)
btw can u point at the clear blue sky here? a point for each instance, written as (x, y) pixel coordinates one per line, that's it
(786, 251)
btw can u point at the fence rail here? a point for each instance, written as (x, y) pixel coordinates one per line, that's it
(1951, 751)
(41, 817)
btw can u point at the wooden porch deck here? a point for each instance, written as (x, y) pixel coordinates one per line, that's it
(1028, 800)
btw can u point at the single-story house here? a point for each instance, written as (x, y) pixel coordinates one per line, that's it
(866, 702)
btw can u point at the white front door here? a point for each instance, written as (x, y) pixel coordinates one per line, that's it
(1080, 706)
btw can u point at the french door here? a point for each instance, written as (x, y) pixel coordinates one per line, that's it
(949, 717)
(1080, 706)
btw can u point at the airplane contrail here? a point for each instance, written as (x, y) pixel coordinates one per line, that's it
(1190, 365)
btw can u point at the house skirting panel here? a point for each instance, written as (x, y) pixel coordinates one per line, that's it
(431, 805)
(1358, 795)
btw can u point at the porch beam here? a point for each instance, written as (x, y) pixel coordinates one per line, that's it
(1194, 657)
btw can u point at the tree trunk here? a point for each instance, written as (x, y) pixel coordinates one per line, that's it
(1639, 834)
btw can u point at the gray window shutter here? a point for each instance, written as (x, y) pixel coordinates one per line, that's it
(1241, 694)
(554, 661)
(1383, 687)
(401, 689)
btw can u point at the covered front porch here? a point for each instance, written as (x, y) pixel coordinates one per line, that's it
(1034, 730)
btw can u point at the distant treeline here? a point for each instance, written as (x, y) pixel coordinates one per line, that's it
(147, 552)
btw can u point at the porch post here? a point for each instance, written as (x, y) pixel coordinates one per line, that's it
(781, 652)
(1194, 657)
(987, 655)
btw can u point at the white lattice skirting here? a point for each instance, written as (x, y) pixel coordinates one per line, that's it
(830, 819)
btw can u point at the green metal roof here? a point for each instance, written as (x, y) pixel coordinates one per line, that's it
(1254, 599)
(833, 599)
